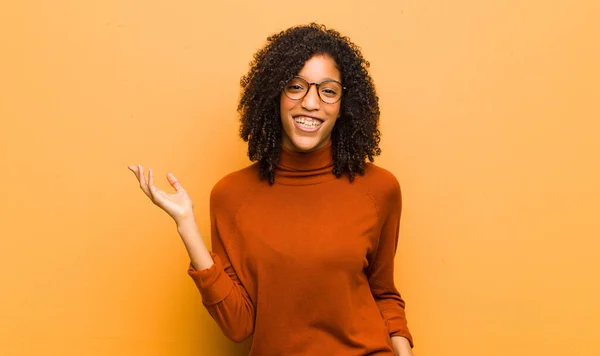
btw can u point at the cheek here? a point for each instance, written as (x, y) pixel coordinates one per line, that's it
(334, 111)
(285, 104)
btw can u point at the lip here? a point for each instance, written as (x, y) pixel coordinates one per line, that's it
(307, 129)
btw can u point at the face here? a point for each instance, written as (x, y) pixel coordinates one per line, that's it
(307, 122)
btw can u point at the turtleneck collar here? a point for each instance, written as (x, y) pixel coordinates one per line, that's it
(299, 168)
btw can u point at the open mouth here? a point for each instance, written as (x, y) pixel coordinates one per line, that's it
(307, 123)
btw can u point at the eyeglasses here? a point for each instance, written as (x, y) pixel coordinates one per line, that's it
(330, 91)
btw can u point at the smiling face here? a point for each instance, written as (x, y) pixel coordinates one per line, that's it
(307, 122)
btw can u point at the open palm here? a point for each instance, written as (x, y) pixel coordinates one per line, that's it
(178, 204)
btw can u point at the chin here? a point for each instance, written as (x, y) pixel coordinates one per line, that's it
(305, 144)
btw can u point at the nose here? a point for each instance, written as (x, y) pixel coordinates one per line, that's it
(311, 100)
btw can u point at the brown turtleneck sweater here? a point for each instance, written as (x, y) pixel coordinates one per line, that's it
(305, 265)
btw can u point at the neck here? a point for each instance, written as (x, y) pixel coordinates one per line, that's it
(299, 168)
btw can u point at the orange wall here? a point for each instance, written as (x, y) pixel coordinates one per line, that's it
(490, 119)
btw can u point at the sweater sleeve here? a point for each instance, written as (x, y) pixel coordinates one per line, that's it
(222, 293)
(381, 269)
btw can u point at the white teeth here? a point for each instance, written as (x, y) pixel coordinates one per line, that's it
(307, 121)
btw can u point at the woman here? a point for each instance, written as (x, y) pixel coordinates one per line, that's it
(303, 240)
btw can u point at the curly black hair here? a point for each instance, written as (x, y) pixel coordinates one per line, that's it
(355, 135)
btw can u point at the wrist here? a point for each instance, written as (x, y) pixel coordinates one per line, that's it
(186, 222)
(400, 342)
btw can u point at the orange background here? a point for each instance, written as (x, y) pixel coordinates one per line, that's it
(490, 120)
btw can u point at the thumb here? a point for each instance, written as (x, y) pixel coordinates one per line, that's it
(174, 182)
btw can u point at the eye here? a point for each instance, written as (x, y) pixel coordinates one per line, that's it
(330, 90)
(294, 87)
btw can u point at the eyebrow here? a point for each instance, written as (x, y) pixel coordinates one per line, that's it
(325, 79)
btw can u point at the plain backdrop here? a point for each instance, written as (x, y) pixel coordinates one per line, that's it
(490, 121)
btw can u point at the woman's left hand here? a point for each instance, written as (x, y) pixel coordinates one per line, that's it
(401, 346)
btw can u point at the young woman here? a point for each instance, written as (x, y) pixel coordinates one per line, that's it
(303, 240)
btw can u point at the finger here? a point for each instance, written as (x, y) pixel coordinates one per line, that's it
(174, 182)
(143, 183)
(141, 173)
(151, 185)
(134, 169)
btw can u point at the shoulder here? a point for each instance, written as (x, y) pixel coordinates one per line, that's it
(378, 178)
(381, 184)
(236, 185)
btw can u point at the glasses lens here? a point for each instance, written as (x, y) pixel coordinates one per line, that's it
(330, 91)
(296, 88)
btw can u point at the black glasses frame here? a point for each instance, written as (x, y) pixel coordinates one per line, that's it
(316, 85)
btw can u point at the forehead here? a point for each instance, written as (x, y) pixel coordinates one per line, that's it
(320, 67)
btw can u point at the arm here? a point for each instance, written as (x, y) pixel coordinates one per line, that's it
(401, 346)
(381, 270)
(223, 294)
(194, 244)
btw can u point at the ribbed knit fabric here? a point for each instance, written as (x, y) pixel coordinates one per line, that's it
(305, 265)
